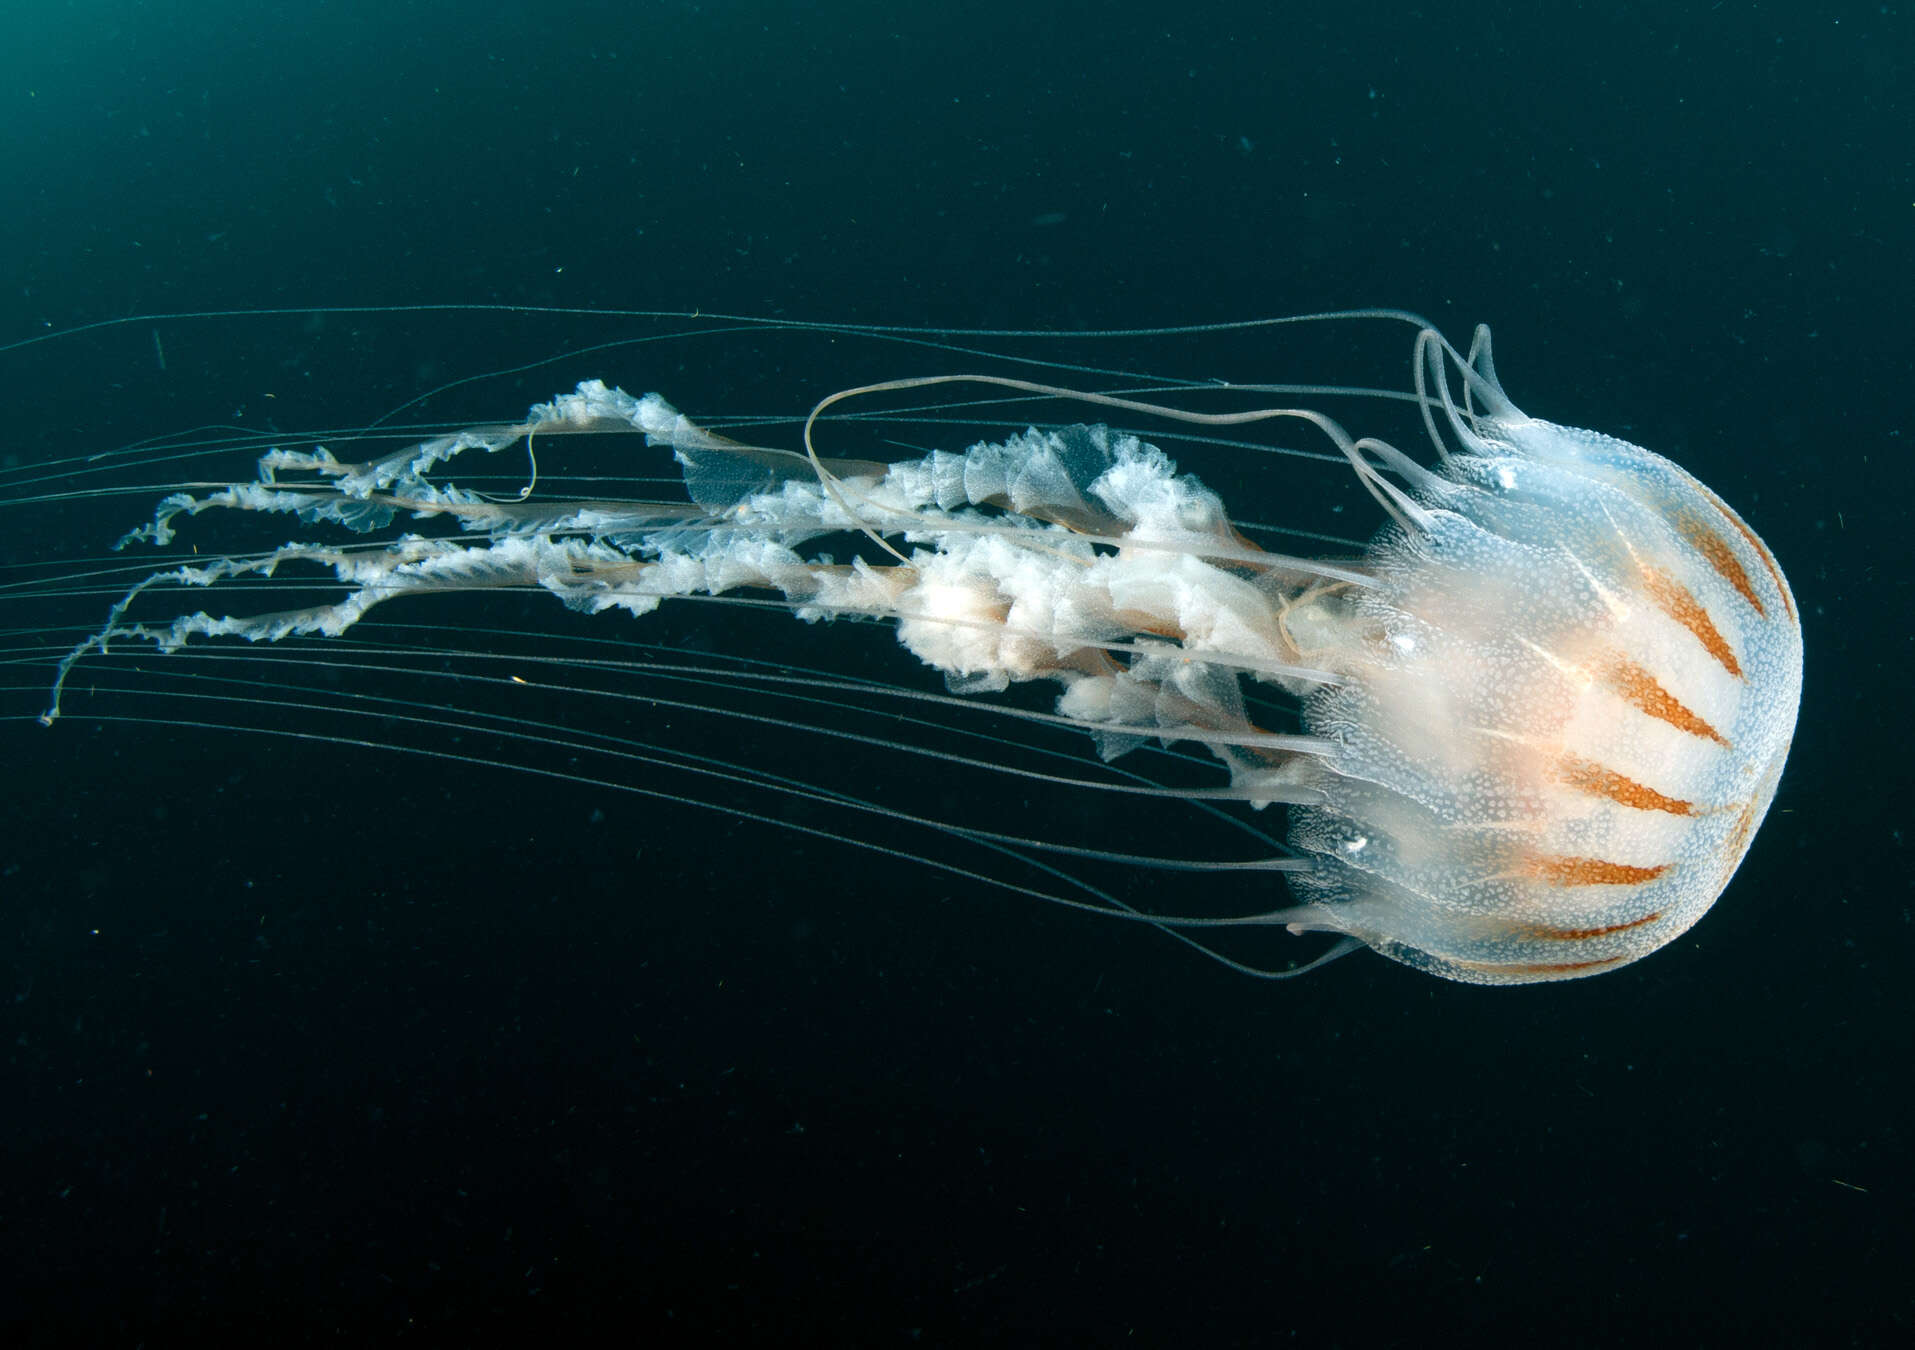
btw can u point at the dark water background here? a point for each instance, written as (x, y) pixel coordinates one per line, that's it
(339, 1045)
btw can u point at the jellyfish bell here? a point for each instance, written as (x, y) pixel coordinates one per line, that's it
(1525, 733)
(1563, 712)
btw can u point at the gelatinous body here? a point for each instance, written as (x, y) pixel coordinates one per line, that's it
(1562, 716)
(1537, 721)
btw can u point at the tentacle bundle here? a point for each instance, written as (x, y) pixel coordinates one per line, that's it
(1077, 555)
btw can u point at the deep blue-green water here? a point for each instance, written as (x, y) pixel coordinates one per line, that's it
(330, 1043)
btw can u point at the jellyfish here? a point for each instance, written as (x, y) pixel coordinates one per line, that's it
(1525, 732)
